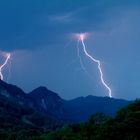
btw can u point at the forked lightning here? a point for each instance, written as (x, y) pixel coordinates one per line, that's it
(82, 37)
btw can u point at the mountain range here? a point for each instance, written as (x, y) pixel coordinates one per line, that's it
(43, 108)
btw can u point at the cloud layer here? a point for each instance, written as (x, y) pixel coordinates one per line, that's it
(34, 24)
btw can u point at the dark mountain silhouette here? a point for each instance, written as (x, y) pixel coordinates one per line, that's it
(46, 99)
(83, 107)
(44, 108)
(17, 109)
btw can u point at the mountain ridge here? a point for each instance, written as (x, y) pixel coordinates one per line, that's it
(49, 104)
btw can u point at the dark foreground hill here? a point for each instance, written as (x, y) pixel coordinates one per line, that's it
(43, 110)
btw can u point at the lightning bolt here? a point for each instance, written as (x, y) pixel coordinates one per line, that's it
(81, 37)
(80, 60)
(8, 56)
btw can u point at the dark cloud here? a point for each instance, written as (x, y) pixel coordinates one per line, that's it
(33, 24)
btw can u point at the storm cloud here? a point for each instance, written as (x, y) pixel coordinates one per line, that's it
(34, 24)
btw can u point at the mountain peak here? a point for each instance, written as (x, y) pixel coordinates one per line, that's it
(40, 89)
(43, 92)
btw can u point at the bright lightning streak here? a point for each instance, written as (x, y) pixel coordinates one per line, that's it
(8, 56)
(81, 37)
(80, 60)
